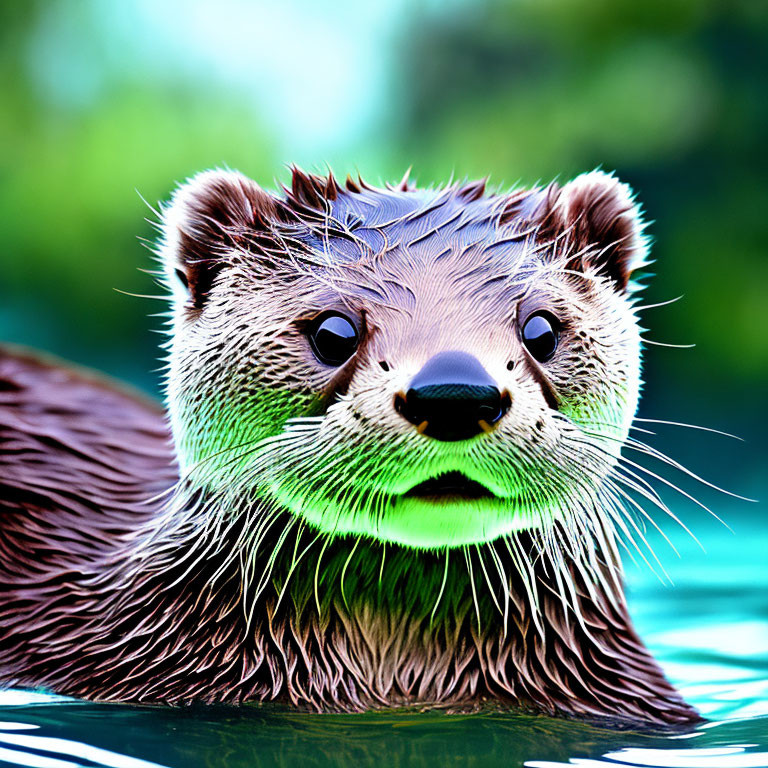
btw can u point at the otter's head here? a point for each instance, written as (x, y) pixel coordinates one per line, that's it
(427, 367)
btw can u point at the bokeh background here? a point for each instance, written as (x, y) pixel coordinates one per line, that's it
(105, 103)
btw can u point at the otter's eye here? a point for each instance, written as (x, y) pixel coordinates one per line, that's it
(540, 336)
(333, 338)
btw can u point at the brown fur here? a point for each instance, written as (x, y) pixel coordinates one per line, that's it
(82, 616)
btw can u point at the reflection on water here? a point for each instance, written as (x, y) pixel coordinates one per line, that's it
(25, 749)
(709, 632)
(65, 735)
(723, 757)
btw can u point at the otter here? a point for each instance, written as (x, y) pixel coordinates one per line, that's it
(391, 470)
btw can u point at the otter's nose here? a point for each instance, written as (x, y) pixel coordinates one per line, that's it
(452, 398)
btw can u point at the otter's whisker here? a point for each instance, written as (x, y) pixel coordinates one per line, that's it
(656, 454)
(643, 307)
(621, 518)
(581, 555)
(690, 426)
(294, 564)
(267, 573)
(651, 493)
(625, 461)
(504, 581)
(316, 579)
(525, 569)
(639, 485)
(442, 587)
(471, 573)
(491, 589)
(381, 567)
(644, 512)
(344, 571)
(606, 543)
(663, 344)
(565, 592)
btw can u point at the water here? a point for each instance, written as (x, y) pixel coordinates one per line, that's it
(709, 632)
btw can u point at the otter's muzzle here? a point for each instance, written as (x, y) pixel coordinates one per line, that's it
(452, 398)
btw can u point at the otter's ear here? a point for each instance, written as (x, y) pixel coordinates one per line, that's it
(597, 216)
(209, 216)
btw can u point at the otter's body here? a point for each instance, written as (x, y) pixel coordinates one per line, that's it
(140, 566)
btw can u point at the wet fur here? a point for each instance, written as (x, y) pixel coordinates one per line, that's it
(121, 579)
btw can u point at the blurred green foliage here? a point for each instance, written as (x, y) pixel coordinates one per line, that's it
(101, 100)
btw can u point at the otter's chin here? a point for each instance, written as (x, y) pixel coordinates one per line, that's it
(433, 522)
(445, 511)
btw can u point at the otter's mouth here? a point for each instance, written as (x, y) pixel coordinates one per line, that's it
(450, 486)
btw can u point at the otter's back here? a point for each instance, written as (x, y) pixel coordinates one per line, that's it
(80, 457)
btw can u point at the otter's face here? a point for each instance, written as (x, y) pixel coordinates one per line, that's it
(426, 368)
